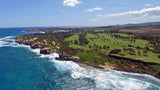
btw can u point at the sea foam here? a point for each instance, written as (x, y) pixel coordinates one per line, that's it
(104, 79)
(6, 41)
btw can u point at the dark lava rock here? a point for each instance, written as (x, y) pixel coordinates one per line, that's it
(67, 57)
(158, 75)
(45, 51)
(36, 45)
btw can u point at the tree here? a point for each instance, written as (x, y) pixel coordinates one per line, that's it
(129, 45)
(158, 56)
(94, 45)
(104, 47)
(131, 51)
(108, 47)
(124, 48)
(147, 48)
(134, 40)
(139, 53)
(157, 48)
(97, 46)
(138, 47)
(75, 42)
(145, 52)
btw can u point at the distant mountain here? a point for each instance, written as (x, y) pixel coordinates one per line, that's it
(139, 24)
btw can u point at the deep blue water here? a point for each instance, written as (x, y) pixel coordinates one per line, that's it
(22, 68)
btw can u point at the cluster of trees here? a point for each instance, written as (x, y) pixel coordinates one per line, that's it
(82, 39)
(152, 38)
(131, 38)
(132, 51)
(148, 36)
(96, 46)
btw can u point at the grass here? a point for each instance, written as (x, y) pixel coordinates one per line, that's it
(52, 46)
(112, 42)
(88, 57)
(106, 39)
(151, 57)
(73, 38)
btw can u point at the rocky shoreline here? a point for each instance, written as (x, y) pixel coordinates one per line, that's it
(65, 57)
(45, 50)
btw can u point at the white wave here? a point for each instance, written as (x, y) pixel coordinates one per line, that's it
(37, 51)
(104, 79)
(2, 43)
(9, 41)
(5, 38)
(51, 56)
(149, 77)
(6, 41)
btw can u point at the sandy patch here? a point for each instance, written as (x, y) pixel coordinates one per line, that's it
(108, 66)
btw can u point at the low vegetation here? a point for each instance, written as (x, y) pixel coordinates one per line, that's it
(120, 47)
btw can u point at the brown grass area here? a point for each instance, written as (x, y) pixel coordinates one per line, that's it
(140, 58)
(143, 29)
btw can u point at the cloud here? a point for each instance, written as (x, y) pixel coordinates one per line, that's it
(71, 3)
(147, 14)
(147, 5)
(94, 20)
(62, 11)
(97, 8)
(144, 12)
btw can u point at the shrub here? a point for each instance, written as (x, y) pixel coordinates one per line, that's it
(157, 48)
(75, 42)
(144, 52)
(130, 45)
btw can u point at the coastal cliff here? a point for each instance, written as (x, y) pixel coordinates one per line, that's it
(55, 43)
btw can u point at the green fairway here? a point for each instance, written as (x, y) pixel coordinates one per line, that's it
(106, 42)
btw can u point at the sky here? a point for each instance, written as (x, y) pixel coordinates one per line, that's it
(32, 13)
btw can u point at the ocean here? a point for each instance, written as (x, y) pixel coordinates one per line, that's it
(22, 68)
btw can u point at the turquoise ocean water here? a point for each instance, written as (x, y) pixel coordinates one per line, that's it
(22, 68)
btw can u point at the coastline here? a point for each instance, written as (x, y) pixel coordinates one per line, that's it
(100, 76)
(89, 64)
